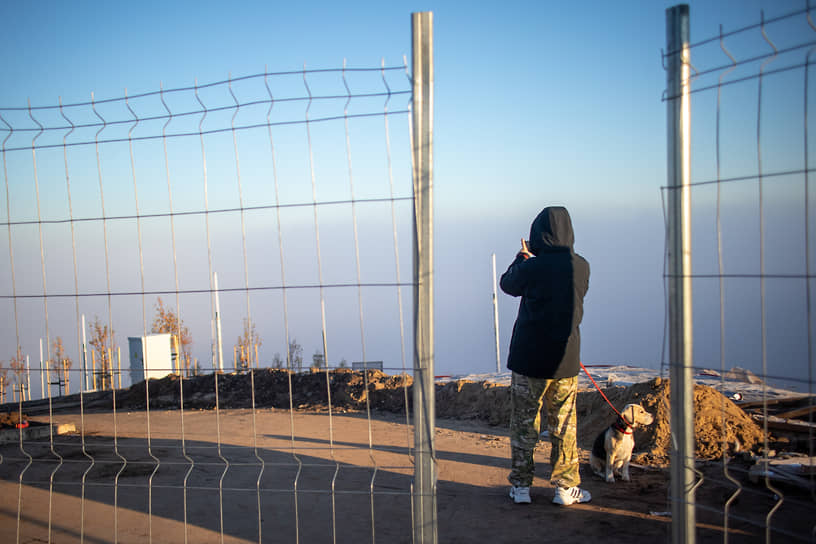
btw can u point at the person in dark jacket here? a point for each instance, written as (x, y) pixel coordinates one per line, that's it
(545, 353)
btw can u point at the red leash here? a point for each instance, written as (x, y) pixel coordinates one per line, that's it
(604, 396)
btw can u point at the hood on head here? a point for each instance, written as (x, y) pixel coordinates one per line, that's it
(552, 228)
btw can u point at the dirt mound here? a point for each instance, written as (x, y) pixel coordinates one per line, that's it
(464, 399)
(720, 426)
(273, 388)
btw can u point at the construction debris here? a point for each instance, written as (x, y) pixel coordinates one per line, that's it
(797, 471)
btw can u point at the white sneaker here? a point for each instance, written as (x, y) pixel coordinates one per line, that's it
(520, 495)
(570, 495)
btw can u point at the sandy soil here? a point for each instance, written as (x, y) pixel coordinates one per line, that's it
(307, 454)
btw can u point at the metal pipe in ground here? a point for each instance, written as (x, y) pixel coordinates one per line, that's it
(678, 241)
(424, 486)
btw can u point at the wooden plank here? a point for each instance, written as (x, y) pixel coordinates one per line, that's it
(790, 425)
(775, 402)
(798, 413)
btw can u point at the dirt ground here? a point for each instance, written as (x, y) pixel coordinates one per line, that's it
(275, 475)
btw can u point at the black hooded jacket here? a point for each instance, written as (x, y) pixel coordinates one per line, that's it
(546, 340)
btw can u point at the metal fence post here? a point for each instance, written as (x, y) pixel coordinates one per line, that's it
(679, 272)
(424, 499)
(496, 315)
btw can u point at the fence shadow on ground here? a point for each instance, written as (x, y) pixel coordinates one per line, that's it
(224, 489)
(132, 501)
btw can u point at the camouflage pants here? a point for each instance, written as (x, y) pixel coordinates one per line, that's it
(527, 395)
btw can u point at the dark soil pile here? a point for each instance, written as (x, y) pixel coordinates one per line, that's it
(274, 388)
(464, 399)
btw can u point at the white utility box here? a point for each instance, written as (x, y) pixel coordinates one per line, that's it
(151, 356)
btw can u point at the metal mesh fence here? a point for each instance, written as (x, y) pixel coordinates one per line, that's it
(242, 242)
(741, 150)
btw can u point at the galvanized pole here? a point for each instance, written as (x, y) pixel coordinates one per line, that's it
(496, 316)
(679, 271)
(85, 356)
(48, 380)
(424, 487)
(219, 351)
(42, 374)
(28, 376)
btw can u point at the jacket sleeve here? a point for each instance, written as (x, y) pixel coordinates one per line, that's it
(585, 279)
(513, 280)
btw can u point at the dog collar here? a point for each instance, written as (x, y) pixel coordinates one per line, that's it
(622, 426)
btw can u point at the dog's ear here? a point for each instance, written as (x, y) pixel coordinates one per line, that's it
(628, 414)
(632, 414)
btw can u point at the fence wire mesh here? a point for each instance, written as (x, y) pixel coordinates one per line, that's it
(751, 93)
(144, 234)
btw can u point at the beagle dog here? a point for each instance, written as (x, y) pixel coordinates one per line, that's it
(612, 449)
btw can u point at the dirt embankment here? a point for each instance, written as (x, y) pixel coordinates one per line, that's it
(347, 390)
(720, 426)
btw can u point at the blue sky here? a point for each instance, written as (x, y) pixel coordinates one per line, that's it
(536, 103)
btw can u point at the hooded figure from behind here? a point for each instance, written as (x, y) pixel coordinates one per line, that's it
(546, 341)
